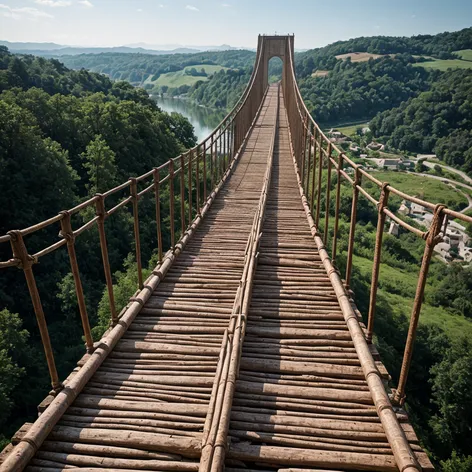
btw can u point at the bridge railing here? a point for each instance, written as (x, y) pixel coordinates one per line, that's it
(187, 183)
(318, 159)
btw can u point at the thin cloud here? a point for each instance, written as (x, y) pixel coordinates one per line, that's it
(23, 12)
(226, 5)
(54, 3)
(140, 10)
(191, 7)
(86, 3)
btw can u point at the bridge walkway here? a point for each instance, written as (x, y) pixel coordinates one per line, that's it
(301, 401)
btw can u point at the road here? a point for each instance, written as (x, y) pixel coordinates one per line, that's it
(454, 184)
(449, 169)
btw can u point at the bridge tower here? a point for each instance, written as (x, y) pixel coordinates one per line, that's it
(274, 46)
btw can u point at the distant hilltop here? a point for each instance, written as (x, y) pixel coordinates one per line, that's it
(53, 49)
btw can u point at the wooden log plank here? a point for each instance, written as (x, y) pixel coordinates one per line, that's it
(312, 457)
(82, 460)
(186, 447)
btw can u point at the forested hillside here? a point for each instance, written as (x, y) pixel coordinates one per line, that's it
(441, 45)
(136, 68)
(65, 135)
(356, 91)
(439, 121)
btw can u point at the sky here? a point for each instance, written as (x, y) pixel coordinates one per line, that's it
(315, 23)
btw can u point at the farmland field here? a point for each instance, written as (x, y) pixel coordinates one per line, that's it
(320, 73)
(444, 64)
(465, 54)
(358, 56)
(176, 79)
(424, 187)
(350, 128)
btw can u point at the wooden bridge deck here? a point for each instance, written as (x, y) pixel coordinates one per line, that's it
(301, 399)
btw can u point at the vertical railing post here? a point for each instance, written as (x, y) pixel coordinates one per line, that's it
(26, 263)
(190, 176)
(352, 229)
(313, 181)
(320, 176)
(219, 149)
(68, 234)
(182, 194)
(231, 140)
(308, 170)
(224, 152)
(432, 238)
(157, 183)
(328, 194)
(212, 162)
(303, 148)
(102, 214)
(383, 201)
(197, 178)
(133, 187)
(336, 209)
(204, 173)
(235, 135)
(171, 204)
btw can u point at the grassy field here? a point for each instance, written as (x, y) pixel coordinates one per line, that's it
(320, 73)
(358, 56)
(445, 64)
(454, 325)
(426, 188)
(176, 79)
(466, 54)
(350, 129)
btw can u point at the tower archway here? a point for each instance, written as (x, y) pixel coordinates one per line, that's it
(275, 70)
(274, 46)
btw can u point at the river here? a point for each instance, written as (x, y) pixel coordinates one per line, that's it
(204, 120)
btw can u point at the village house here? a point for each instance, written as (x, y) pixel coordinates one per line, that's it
(391, 164)
(373, 146)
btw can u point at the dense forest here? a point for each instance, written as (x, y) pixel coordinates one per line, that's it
(439, 121)
(65, 135)
(356, 91)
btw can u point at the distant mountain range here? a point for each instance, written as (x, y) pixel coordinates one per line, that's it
(53, 49)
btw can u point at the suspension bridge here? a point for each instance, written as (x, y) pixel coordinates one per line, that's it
(244, 349)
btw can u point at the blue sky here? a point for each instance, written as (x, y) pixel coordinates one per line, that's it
(235, 22)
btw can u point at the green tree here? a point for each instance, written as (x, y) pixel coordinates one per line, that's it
(99, 162)
(452, 393)
(13, 340)
(457, 464)
(420, 167)
(36, 171)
